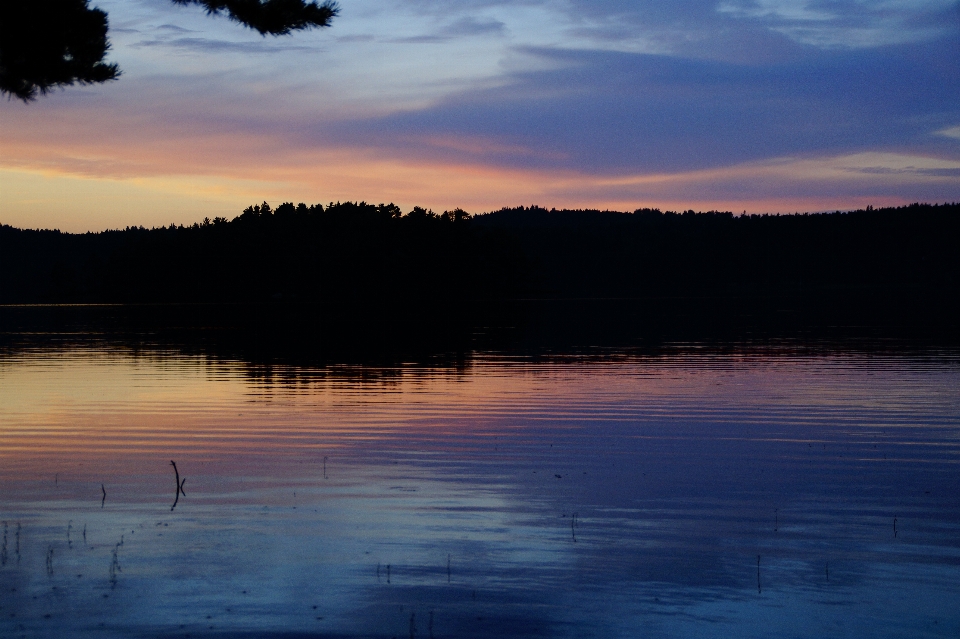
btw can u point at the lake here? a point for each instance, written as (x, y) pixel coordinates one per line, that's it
(743, 487)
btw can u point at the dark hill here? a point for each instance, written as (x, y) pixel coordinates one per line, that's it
(358, 252)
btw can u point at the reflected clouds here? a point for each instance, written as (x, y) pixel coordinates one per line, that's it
(682, 468)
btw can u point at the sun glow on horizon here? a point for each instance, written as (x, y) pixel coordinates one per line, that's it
(61, 199)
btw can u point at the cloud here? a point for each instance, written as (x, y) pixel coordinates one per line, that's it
(210, 45)
(690, 27)
(420, 39)
(461, 28)
(356, 38)
(472, 26)
(174, 28)
(850, 24)
(951, 132)
(617, 112)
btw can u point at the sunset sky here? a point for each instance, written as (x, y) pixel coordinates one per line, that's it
(757, 105)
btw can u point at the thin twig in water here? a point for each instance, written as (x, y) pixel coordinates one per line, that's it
(179, 490)
(177, 478)
(115, 564)
(758, 574)
(104, 491)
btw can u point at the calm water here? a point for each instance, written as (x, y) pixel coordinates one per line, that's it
(694, 491)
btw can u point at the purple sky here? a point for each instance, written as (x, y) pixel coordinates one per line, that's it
(764, 105)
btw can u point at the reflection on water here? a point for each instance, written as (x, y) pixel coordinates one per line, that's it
(739, 491)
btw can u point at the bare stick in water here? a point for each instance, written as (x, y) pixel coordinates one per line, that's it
(179, 485)
(104, 491)
(115, 564)
(758, 574)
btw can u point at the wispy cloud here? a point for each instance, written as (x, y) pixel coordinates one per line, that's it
(210, 45)
(850, 24)
(950, 132)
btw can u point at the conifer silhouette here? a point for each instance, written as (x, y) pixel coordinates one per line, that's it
(273, 17)
(47, 44)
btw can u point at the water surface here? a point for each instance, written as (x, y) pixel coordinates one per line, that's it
(736, 490)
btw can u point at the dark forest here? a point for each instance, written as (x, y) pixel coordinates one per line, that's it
(359, 252)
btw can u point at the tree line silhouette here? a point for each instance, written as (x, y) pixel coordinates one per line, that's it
(355, 252)
(344, 251)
